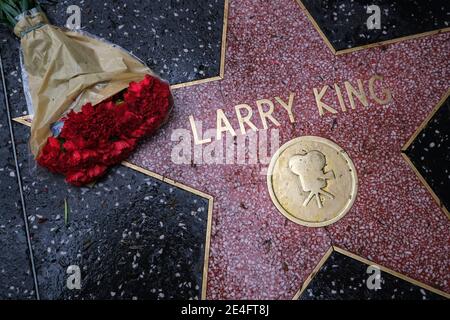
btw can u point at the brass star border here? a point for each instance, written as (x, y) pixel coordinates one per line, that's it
(25, 120)
(411, 140)
(222, 55)
(372, 45)
(367, 262)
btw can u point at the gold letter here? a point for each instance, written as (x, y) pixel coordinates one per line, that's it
(195, 132)
(266, 114)
(340, 98)
(360, 95)
(288, 106)
(245, 119)
(386, 92)
(222, 118)
(320, 104)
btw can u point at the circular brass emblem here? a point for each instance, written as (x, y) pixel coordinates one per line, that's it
(312, 181)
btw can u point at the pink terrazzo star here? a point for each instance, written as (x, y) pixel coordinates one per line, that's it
(273, 49)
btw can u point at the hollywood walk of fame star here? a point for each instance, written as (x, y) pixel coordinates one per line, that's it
(257, 253)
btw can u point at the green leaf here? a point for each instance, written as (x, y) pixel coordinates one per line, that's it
(10, 9)
(9, 13)
(24, 5)
(12, 22)
(66, 212)
(2, 17)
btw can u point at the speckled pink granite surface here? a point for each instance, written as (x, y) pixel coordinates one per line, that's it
(272, 49)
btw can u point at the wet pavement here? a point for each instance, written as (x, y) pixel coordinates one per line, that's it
(135, 236)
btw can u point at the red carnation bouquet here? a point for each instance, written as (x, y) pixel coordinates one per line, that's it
(91, 101)
(103, 135)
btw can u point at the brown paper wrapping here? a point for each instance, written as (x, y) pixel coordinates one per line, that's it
(67, 69)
